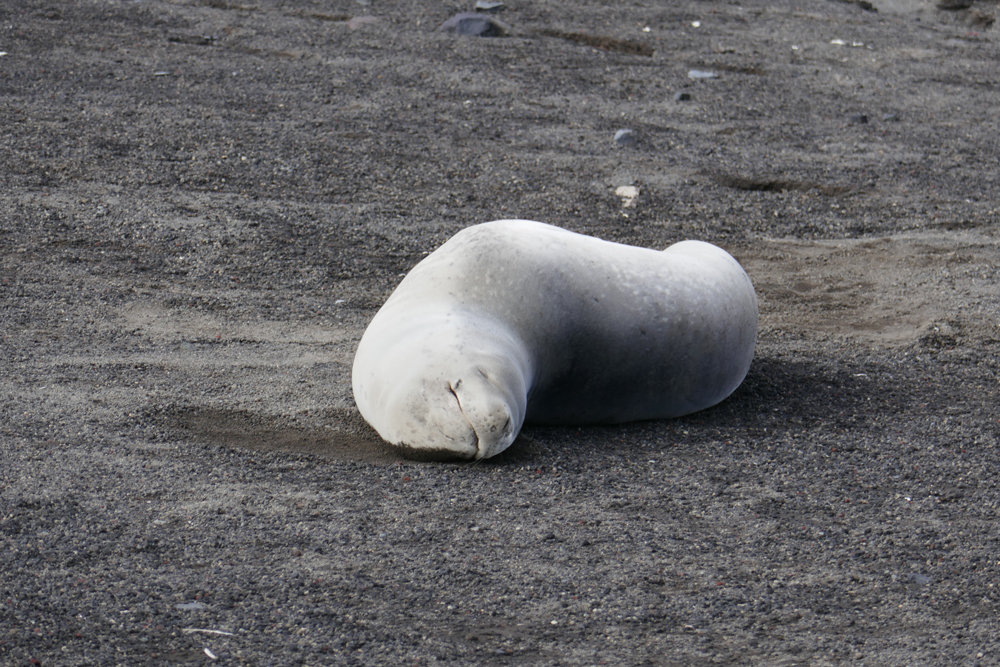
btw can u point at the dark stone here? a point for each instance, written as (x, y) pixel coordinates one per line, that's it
(954, 5)
(471, 24)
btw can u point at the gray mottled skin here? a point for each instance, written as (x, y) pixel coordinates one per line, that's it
(513, 321)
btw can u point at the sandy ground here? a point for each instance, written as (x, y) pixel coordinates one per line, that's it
(203, 202)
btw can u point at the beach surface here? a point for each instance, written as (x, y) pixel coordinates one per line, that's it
(204, 202)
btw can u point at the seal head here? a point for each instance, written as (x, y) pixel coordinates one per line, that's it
(468, 405)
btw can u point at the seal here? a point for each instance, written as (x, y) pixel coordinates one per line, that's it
(516, 321)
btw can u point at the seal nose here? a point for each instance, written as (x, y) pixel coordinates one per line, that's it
(499, 439)
(488, 412)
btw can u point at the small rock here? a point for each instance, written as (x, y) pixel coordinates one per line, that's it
(702, 74)
(954, 5)
(682, 97)
(471, 24)
(625, 138)
(489, 7)
(629, 195)
(359, 21)
(858, 119)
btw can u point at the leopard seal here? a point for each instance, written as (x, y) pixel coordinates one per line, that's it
(516, 321)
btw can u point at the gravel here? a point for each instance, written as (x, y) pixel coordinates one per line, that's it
(205, 202)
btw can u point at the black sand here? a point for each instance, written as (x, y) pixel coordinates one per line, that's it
(203, 202)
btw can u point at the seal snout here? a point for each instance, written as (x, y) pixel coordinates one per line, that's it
(487, 410)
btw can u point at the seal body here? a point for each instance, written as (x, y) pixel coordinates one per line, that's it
(516, 321)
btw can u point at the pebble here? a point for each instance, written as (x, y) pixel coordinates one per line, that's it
(702, 74)
(488, 6)
(629, 195)
(360, 21)
(191, 606)
(682, 97)
(858, 119)
(471, 24)
(625, 138)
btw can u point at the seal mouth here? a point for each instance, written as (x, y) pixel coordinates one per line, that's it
(488, 416)
(479, 453)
